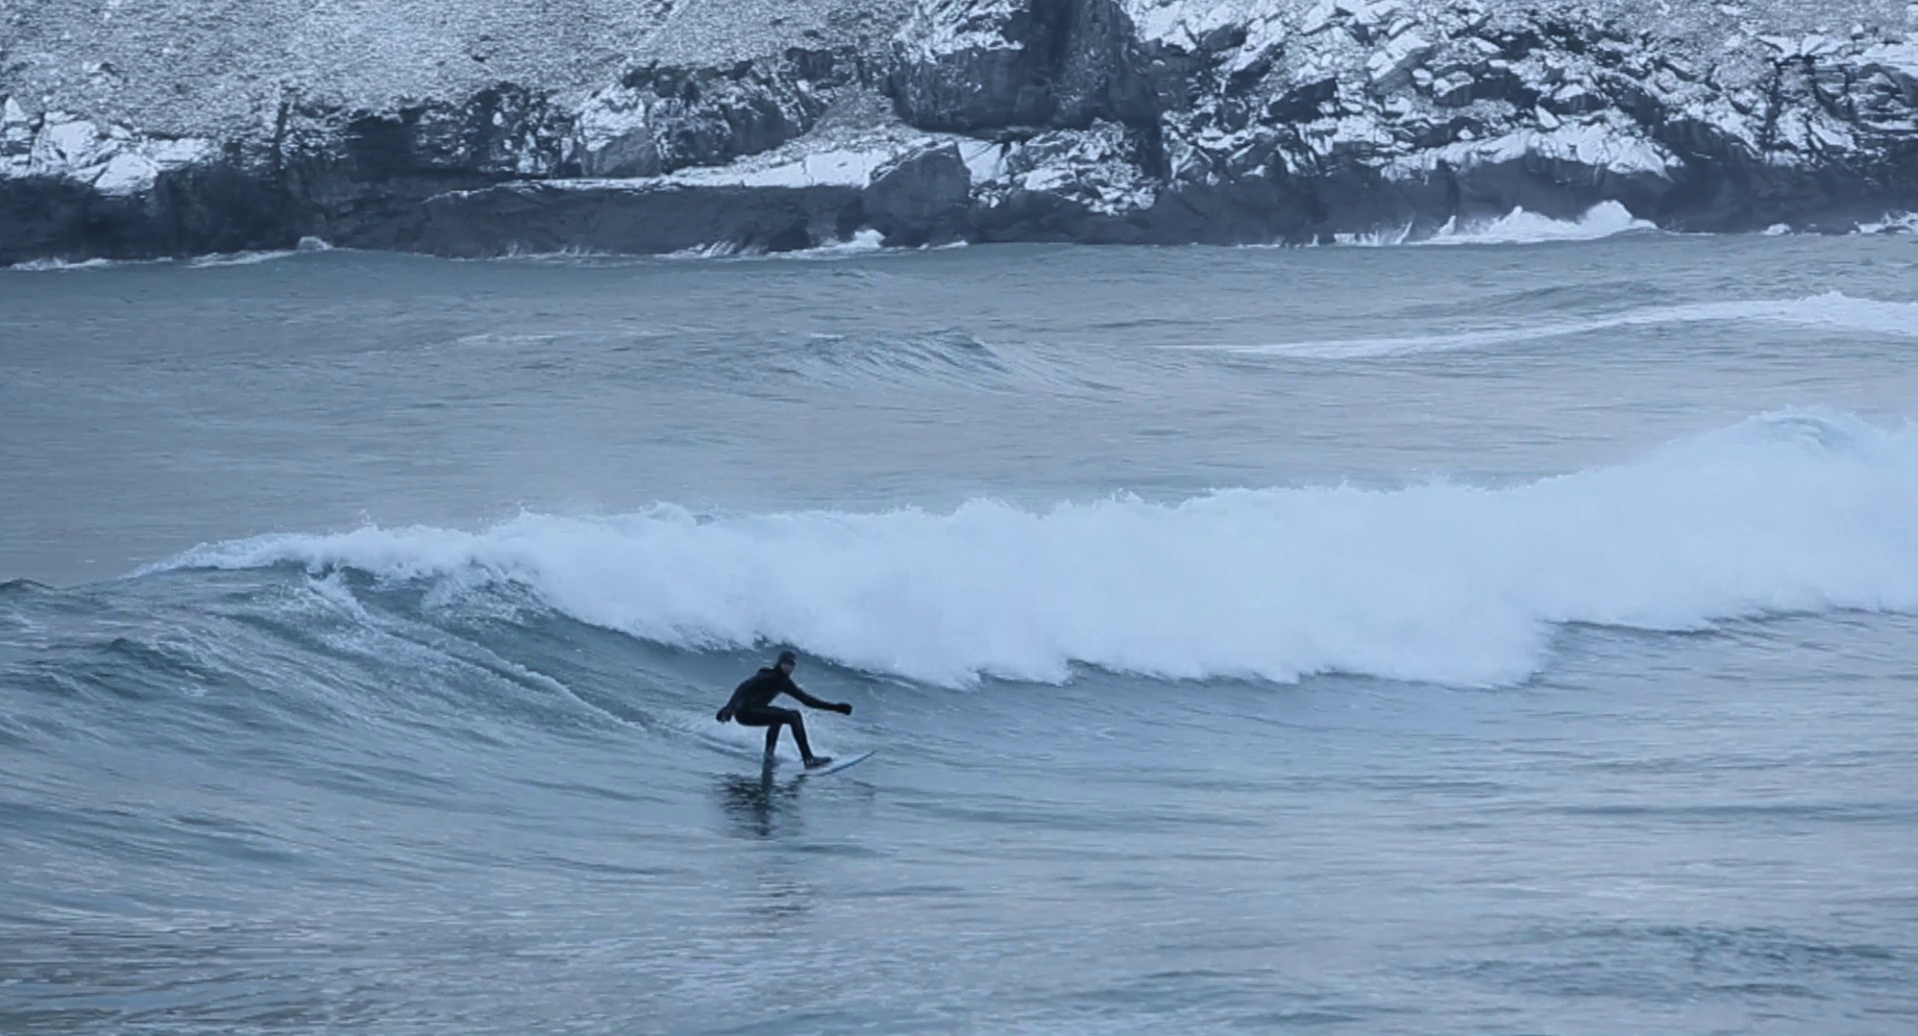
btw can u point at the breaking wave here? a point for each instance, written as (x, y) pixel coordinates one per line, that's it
(1519, 227)
(63, 265)
(861, 243)
(1893, 223)
(211, 260)
(1789, 512)
(238, 258)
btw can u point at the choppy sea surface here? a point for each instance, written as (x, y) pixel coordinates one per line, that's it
(1508, 638)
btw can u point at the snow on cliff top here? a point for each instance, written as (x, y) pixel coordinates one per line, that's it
(206, 66)
(209, 67)
(1186, 22)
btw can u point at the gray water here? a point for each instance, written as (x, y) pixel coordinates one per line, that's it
(1480, 639)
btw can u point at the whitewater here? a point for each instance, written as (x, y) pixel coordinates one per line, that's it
(1788, 512)
(1508, 637)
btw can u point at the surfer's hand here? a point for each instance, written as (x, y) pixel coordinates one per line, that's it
(725, 713)
(843, 709)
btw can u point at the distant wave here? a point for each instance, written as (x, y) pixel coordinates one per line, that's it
(61, 265)
(950, 358)
(575, 255)
(1517, 227)
(1893, 223)
(239, 258)
(1797, 511)
(1831, 310)
(947, 359)
(211, 260)
(862, 242)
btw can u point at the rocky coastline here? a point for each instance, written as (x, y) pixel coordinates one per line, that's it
(1122, 121)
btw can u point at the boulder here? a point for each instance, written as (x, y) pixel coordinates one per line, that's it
(921, 198)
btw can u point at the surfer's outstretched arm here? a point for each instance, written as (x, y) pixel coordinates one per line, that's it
(809, 700)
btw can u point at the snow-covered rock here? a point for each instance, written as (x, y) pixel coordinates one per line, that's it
(1098, 120)
(66, 146)
(657, 120)
(112, 160)
(1100, 168)
(1392, 65)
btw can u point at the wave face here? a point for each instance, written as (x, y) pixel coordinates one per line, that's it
(1832, 311)
(1798, 511)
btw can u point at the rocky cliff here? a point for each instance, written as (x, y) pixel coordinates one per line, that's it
(133, 128)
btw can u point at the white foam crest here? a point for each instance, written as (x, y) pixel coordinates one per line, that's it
(575, 256)
(714, 250)
(1830, 310)
(863, 242)
(210, 260)
(1893, 223)
(63, 265)
(1519, 227)
(237, 259)
(1799, 511)
(1373, 239)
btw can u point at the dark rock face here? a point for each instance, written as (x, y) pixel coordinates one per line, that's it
(404, 179)
(189, 211)
(963, 66)
(1084, 120)
(505, 130)
(545, 218)
(658, 120)
(920, 199)
(966, 65)
(1362, 116)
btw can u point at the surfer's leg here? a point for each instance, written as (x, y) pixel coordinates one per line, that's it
(799, 733)
(763, 717)
(772, 719)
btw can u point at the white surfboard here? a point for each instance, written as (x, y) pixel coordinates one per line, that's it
(836, 765)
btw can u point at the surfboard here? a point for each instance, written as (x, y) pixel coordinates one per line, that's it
(836, 765)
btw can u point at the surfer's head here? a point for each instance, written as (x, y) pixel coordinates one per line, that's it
(787, 660)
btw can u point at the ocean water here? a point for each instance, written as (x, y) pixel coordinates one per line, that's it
(1519, 637)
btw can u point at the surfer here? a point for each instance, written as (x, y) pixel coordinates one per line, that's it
(751, 706)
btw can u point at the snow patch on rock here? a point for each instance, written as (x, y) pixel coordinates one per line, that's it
(113, 160)
(951, 26)
(1098, 167)
(1606, 142)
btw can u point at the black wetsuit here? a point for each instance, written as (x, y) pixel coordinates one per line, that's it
(751, 706)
